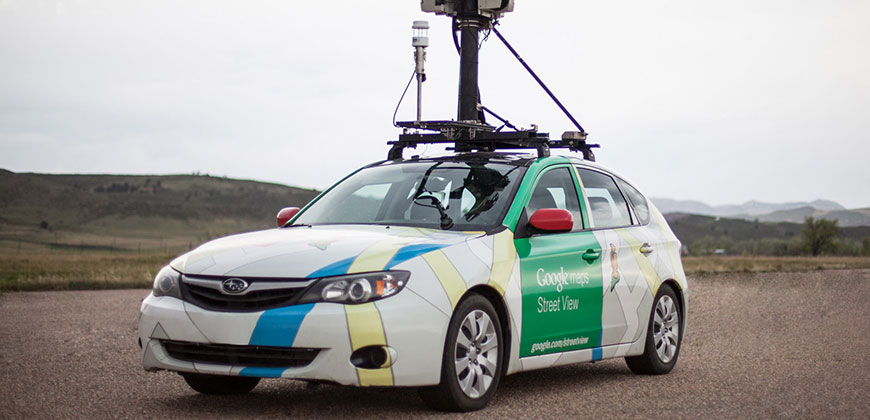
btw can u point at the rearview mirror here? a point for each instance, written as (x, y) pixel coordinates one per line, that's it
(552, 220)
(286, 214)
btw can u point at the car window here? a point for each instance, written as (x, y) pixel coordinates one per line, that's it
(363, 203)
(442, 195)
(607, 207)
(555, 189)
(637, 200)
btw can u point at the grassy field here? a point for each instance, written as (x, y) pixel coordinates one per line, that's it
(736, 264)
(30, 267)
(34, 267)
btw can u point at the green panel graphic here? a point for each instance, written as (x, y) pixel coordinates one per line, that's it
(562, 293)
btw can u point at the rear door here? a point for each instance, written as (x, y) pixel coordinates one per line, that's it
(561, 273)
(629, 279)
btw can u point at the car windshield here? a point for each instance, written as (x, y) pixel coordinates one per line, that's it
(446, 195)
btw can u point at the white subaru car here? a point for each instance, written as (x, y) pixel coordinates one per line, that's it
(443, 273)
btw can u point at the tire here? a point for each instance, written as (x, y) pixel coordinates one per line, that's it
(219, 384)
(663, 336)
(472, 361)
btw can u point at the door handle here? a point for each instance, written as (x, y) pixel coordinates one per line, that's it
(646, 249)
(591, 255)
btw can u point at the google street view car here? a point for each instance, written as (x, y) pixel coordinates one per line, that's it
(443, 273)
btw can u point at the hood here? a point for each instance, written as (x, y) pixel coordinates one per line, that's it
(318, 251)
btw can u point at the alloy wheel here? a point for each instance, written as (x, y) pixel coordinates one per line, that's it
(666, 329)
(476, 354)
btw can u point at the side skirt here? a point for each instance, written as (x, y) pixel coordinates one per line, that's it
(580, 356)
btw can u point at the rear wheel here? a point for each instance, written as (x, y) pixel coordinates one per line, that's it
(662, 338)
(472, 362)
(219, 384)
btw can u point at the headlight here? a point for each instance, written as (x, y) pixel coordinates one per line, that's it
(357, 288)
(166, 283)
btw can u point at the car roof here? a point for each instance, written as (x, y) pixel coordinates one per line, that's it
(516, 159)
(511, 158)
(508, 158)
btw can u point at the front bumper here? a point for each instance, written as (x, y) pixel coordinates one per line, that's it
(409, 326)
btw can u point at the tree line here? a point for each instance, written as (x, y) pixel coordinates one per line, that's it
(818, 237)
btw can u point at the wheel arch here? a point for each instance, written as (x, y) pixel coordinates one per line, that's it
(681, 300)
(497, 301)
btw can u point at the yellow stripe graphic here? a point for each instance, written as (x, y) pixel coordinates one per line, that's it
(366, 329)
(374, 258)
(450, 279)
(646, 267)
(662, 225)
(503, 256)
(417, 232)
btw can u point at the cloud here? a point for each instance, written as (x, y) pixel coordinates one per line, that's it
(722, 101)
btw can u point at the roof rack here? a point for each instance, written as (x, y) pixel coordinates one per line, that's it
(468, 136)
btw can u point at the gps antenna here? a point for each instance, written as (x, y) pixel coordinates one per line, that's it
(420, 41)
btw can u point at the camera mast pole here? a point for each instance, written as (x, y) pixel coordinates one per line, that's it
(470, 23)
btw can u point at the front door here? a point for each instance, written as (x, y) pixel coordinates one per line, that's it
(561, 275)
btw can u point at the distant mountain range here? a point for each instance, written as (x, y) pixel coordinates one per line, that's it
(794, 212)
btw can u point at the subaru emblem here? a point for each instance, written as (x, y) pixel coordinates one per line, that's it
(234, 286)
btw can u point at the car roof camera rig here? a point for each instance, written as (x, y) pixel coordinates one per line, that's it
(469, 131)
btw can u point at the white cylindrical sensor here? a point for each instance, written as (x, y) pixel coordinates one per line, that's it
(420, 37)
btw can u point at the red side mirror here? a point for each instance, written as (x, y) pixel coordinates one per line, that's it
(286, 214)
(552, 220)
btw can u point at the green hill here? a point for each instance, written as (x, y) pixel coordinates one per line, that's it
(136, 212)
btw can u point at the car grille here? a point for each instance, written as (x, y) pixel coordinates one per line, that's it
(263, 293)
(253, 356)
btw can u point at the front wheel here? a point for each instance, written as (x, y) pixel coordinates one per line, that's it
(220, 385)
(662, 338)
(472, 362)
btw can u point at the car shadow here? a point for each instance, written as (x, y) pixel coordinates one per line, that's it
(290, 398)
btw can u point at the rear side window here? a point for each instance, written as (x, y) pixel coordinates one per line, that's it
(607, 207)
(638, 202)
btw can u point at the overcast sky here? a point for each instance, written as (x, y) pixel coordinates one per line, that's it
(722, 101)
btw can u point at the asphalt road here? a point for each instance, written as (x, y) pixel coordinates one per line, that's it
(790, 345)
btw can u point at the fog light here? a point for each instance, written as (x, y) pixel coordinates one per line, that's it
(373, 357)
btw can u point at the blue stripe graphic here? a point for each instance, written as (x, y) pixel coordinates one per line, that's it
(407, 252)
(334, 269)
(262, 372)
(278, 327)
(596, 354)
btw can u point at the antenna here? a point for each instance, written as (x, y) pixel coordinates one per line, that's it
(420, 40)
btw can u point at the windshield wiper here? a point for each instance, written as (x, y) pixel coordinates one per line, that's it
(297, 225)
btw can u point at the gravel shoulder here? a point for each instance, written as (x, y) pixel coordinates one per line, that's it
(758, 345)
